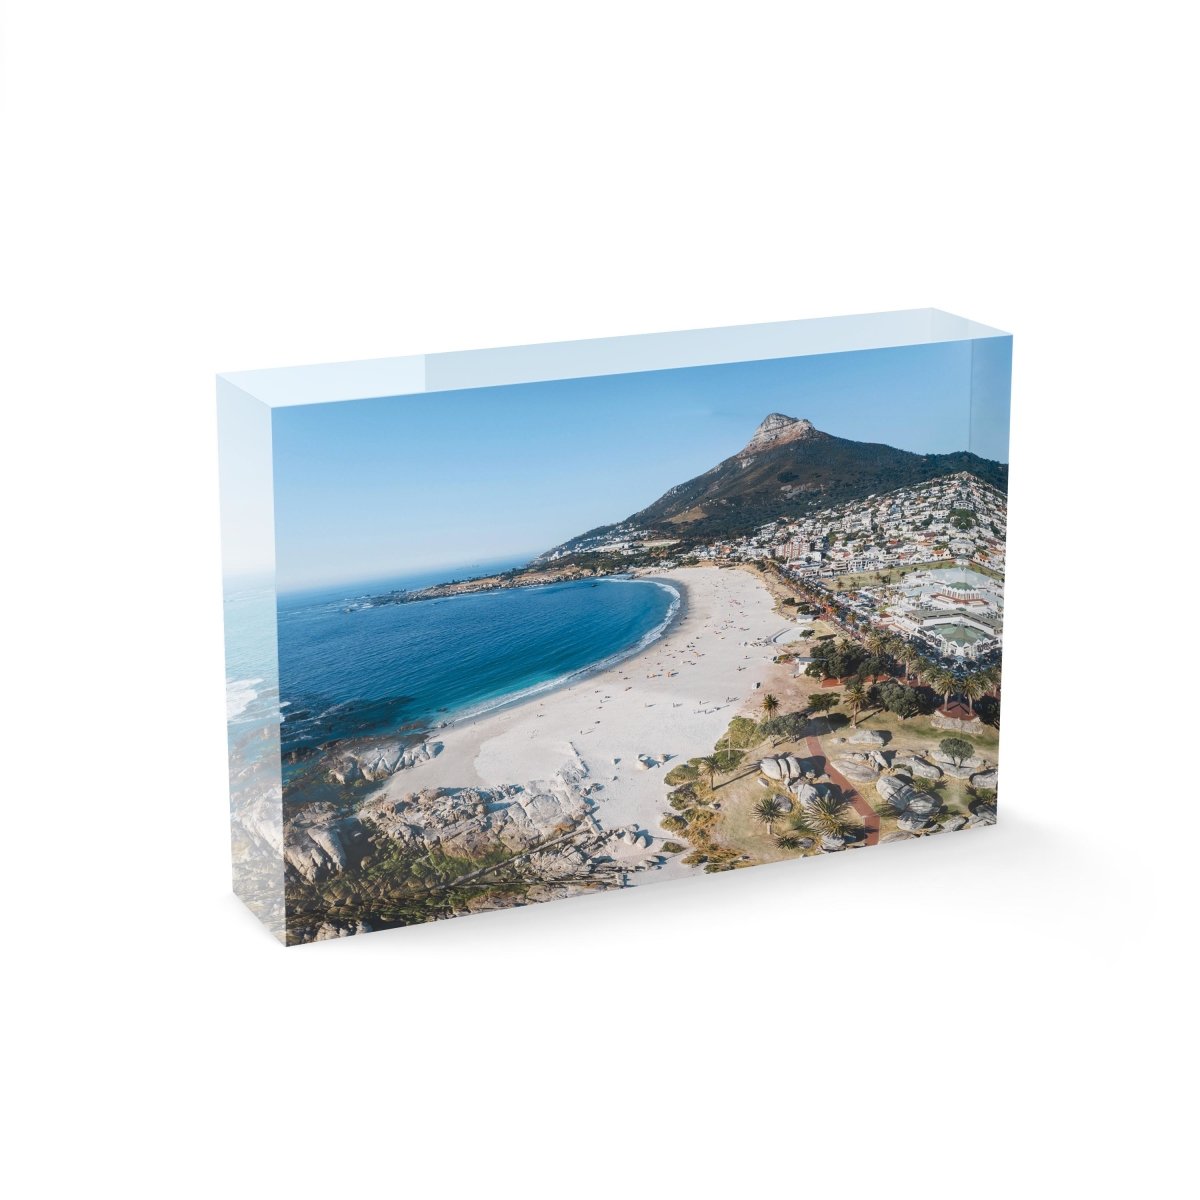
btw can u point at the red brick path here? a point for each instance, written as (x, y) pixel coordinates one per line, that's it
(869, 815)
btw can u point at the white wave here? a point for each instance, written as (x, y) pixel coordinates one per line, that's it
(239, 695)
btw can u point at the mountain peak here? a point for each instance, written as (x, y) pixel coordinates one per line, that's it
(778, 427)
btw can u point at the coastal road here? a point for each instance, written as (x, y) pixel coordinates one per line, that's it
(869, 815)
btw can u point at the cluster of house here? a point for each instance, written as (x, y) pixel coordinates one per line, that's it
(951, 529)
(954, 519)
(626, 541)
(956, 612)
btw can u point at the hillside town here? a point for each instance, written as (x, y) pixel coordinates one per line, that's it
(955, 519)
(924, 562)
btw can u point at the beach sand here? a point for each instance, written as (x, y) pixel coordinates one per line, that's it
(671, 701)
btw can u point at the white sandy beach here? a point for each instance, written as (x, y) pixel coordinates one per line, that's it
(672, 701)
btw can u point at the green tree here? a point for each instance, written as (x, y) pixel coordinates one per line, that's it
(710, 764)
(975, 686)
(856, 697)
(768, 810)
(942, 681)
(823, 702)
(769, 706)
(957, 750)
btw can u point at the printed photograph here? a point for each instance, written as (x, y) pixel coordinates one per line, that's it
(546, 640)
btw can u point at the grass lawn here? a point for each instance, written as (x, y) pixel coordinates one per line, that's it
(734, 826)
(738, 829)
(871, 578)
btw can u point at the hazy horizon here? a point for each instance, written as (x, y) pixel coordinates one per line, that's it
(504, 473)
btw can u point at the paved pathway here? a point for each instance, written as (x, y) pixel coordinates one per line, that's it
(869, 815)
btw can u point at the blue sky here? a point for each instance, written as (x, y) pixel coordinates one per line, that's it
(369, 489)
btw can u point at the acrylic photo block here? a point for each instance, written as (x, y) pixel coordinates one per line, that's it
(539, 622)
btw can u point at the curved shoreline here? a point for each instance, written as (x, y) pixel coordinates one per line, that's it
(513, 700)
(608, 737)
(509, 702)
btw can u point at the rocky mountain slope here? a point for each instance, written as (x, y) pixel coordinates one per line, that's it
(788, 468)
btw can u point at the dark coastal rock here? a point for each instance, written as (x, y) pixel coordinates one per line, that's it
(450, 851)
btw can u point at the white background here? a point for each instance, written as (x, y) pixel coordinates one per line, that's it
(190, 188)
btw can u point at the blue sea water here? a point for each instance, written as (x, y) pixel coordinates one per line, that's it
(350, 668)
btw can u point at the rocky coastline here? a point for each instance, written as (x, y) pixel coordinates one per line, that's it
(389, 860)
(485, 583)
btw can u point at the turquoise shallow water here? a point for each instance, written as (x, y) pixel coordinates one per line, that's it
(353, 669)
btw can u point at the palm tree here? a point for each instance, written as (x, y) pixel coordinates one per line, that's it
(798, 822)
(768, 810)
(827, 813)
(769, 705)
(710, 764)
(910, 656)
(974, 686)
(856, 697)
(942, 681)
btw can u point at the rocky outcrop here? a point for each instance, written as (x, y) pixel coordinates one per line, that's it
(777, 429)
(986, 779)
(317, 840)
(955, 770)
(982, 813)
(783, 768)
(395, 858)
(914, 764)
(370, 762)
(861, 768)
(806, 794)
(868, 737)
(339, 929)
(915, 811)
(772, 768)
(941, 721)
(920, 812)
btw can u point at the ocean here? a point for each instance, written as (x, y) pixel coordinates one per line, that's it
(349, 668)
